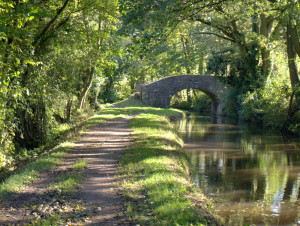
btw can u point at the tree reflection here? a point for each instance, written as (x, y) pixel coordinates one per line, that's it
(238, 167)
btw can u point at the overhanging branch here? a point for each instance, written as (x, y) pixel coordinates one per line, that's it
(49, 25)
(215, 34)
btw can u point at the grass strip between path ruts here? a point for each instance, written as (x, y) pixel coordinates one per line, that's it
(156, 184)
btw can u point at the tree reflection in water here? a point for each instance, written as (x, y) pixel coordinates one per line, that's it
(253, 175)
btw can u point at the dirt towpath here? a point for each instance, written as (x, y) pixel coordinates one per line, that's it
(102, 147)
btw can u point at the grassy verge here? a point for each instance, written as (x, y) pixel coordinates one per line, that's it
(30, 173)
(63, 132)
(156, 184)
(50, 157)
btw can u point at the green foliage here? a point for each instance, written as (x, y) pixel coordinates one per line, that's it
(201, 103)
(60, 56)
(123, 89)
(268, 103)
(194, 100)
(232, 103)
(48, 51)
(249, 40)
(227, 64)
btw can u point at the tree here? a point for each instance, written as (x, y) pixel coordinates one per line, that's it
(48, 49)
(249, 25)
(293, 46)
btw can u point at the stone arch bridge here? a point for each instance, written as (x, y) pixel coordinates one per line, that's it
(160, 92)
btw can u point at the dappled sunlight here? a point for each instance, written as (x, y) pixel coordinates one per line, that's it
(30, 173)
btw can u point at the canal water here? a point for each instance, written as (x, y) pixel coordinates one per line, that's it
(252, 175)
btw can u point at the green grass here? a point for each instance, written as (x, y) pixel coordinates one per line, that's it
(154, 171)
(67, 184)
(30, 173)
(155, 175)
(81, 164)
(54, 219)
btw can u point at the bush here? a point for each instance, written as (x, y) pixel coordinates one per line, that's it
(201, 103)
(184, 104)
(269, 104)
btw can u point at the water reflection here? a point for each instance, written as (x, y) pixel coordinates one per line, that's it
(254, 176)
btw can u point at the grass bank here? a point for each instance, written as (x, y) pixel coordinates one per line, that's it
(155, 175)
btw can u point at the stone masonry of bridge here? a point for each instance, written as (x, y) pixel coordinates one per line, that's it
(160, 92)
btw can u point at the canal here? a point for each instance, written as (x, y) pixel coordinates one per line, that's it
(252, 175)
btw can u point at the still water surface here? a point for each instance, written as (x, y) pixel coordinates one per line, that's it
(252, 175)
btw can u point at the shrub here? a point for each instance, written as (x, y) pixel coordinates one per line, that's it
(269, 104)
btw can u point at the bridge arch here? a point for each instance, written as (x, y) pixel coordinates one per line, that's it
(160, 92)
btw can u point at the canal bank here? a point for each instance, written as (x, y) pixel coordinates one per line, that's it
(154, 174)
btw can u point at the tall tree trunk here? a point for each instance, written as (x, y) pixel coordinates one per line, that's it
(96, 98)
(68, 110)
(254, 46)
(32, 117)
(244, 52)
(201, 66)
(295, 39)
(50, 25)
(86, 88)
(266, 61)
(266, 24)
(186, 51)
(292, 63)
